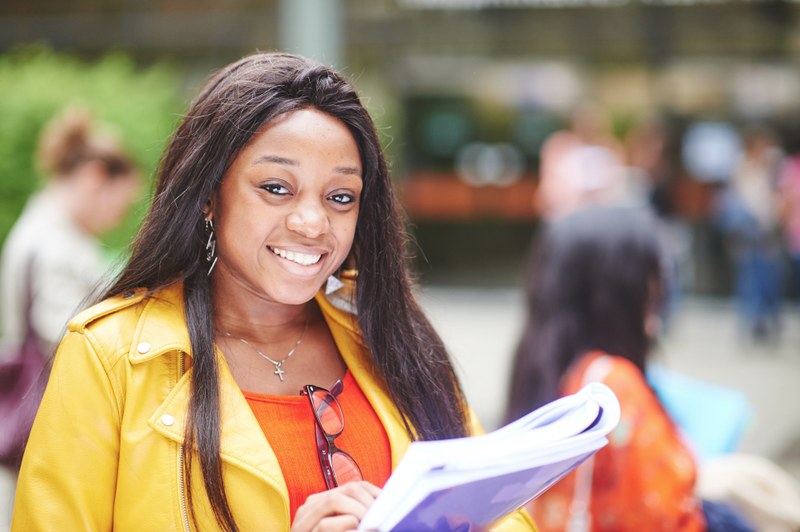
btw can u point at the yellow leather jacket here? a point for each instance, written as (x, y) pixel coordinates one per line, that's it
(105, 451)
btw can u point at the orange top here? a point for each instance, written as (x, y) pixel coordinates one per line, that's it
(644, 478)
(288, 422)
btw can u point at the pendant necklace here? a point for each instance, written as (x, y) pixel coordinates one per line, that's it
(277, 363)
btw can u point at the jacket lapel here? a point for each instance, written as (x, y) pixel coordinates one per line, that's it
(243, 443)
(162, 331)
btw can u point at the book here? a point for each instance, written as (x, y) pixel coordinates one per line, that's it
(459, 483)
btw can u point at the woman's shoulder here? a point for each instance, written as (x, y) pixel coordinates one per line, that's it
(624, 378)
(617, 372)
(137, 322)
(622, 368)
(114, 308)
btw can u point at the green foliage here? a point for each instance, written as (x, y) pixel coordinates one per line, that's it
(36, 83)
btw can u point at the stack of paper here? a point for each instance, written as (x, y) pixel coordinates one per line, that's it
(450, 484)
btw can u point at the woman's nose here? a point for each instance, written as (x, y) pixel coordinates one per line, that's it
(308, 219)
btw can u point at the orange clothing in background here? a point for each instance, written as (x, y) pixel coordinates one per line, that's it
(288, 422)
(644, 478)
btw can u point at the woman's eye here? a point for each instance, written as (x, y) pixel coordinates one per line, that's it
(275, 188)
(343, 199)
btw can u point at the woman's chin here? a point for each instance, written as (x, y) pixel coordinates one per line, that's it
(300, 295)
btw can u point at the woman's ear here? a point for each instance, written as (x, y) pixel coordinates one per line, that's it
(210, 207)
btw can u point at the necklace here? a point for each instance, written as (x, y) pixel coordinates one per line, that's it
(277, 363)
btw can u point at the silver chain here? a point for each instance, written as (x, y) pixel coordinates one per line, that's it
(277, 363)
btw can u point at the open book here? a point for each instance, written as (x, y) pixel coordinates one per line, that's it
(451, 484)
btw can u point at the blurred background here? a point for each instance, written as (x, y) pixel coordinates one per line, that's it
(697, 98)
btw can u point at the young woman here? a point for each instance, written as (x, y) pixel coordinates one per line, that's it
(177, 402)
(594, 294)
(53, 248)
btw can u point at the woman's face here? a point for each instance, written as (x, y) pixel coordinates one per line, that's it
(113, 201)
(285, 213)
(100, 200)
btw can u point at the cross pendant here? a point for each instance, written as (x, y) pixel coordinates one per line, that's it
(278, 371)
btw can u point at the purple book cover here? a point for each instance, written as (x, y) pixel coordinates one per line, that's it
(461, 506)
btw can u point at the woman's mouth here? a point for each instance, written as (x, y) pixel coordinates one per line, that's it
(304, 259)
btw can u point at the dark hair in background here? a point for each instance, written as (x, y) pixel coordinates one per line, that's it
(233, 106)
(591, 282)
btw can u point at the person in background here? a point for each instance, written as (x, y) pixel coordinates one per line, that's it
(581, 165)
(53, 247)
(789, 205)
(594, 294)
(260, 363)
(748, 213)
(52, 258)
(651, 152)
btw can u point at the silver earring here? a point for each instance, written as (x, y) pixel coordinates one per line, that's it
(211, 246)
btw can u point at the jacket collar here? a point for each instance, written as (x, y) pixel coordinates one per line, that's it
(156, 332)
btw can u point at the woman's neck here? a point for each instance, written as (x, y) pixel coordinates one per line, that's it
(242, 313)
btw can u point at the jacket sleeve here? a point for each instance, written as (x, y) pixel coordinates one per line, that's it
(517, 521)
(68, 474)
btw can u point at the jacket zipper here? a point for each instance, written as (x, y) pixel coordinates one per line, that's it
(181, 454)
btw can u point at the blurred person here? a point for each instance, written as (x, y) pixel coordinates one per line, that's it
(789, 205)
(594, 294)
(651, 149)
(747, 210)
(266, 299)
(53, 246)
(651, 153)
(52, 259)
(581, 165)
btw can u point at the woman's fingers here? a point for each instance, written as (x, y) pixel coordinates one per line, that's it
(366, 490)
(337, 523)
(338, 509)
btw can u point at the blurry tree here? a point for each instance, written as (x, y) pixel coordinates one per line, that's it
(143, 106)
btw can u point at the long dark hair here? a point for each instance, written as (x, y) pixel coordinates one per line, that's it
(235, 103)
(593, 278)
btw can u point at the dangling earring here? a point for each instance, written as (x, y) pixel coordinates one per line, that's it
(211, 246)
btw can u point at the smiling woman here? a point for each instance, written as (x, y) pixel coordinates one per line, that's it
(291, 199)
(271, 264)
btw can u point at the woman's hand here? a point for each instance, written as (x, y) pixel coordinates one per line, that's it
(338, 509)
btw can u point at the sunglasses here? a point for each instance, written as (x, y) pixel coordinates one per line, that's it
(338, 467)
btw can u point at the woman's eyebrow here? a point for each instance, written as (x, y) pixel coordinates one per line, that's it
(276, 159)
(347, 170)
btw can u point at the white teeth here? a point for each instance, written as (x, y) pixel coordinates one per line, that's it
(296, 256)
